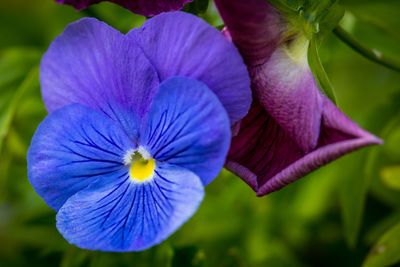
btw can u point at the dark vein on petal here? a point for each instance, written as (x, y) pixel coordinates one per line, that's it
(110, 141)
(163, 178)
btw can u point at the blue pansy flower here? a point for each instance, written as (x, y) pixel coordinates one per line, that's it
(138, 125)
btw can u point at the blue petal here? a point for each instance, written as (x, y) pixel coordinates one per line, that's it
(93, 64)
(73, 147)
(180, 44)
(129, 216)
(187, 126)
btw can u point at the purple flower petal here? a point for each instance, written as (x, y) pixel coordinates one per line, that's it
(339, 136)
(286, 88)
(281, 79)
(267, 159)
(92, 64)
(180, 44)
(143, 7)
(292, 128)
(255, 26)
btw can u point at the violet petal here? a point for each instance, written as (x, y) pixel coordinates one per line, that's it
(255, 26)
(181, 44)
(286, 88)
(292, 128)
(267, 159)
(93, 64)
(143, 7)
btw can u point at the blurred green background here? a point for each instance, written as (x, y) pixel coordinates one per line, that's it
(345, 214)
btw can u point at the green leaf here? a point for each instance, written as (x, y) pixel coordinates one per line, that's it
(115, 15)
(392, 140)
(15, 64)
(188, 256)
(382, 162)
(74, 257)
(18, 83)
(391, 177)
(369, 51)
(386, 251)
(383, 14)
(289, 8)
(319, 72)
(320, 17)
(352, 194)
(379, 228)
(26, 23)
(160, 256)
(8, 114)
(329, 17)
(371, 28)
(312, 17)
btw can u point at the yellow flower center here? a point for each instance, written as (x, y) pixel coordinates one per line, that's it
(142, 169)
(142, 165)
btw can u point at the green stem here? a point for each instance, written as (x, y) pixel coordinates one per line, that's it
(371, 54)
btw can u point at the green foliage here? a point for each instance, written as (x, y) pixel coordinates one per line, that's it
(356, 82)
(312, 17)
(382, 162)
(352, 195)
(14, 65)
(391, 176)
(333, 217)
(329, 17)
(319, 72)
(372, 30)
(386, 251)
(197, 7)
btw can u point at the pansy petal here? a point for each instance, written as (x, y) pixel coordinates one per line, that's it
(95, 65)
(286, 88)
(72, 148)
(266, 158)
(129, 216)
(187, 126)
(180, 44)
(143, 7)
(255, 26)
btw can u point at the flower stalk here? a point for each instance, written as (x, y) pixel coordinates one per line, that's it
(371, 54)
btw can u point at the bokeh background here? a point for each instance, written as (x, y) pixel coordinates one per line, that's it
(344, 214)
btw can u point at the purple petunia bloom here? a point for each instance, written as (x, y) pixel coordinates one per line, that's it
(292, 128)
(142, 7)
(138, 125)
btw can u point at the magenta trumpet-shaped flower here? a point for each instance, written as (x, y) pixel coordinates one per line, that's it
(142, 7)
(292, 127)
